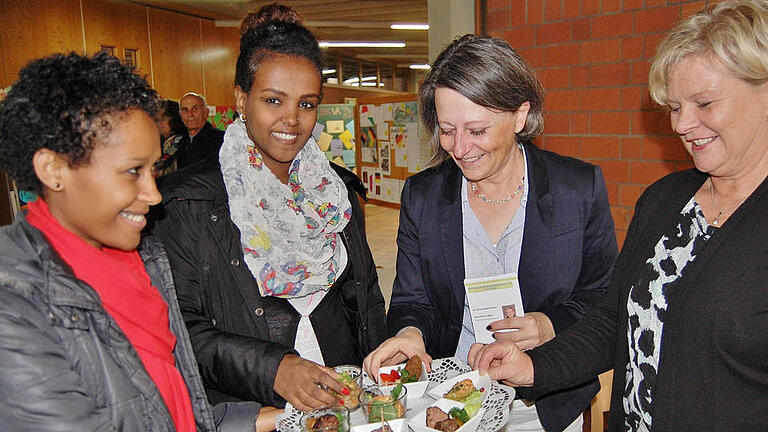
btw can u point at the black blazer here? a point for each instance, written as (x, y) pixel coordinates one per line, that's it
(568, 251)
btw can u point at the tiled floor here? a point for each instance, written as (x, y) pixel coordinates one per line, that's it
(381, 229)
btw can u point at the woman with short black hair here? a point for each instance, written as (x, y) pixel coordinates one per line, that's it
(91, 337)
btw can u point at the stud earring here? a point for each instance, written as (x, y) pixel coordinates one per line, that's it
(56, 186)
(242, 117)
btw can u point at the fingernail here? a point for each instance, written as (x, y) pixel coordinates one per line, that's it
(341, 402)
(488, 327)
(344, 391)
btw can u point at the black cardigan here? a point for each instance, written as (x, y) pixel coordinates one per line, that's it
(713, 369)
(220, 300)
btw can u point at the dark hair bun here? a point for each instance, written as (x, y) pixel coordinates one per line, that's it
(270, 13)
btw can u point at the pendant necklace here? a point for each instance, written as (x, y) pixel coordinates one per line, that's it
(715, 222)
(500, 201)
(720, 213)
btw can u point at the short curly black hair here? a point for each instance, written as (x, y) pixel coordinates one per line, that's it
(66, 103)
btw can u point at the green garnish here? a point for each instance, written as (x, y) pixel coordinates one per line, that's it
(459, 414)
(406, 377)
(340, 418)
(396, 391)
(345, 377)
(382, 410)
(473, 402)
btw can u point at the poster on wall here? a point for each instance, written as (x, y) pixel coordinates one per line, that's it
(368, 151)
(386, 112)
(390, 190)
(372, 178)
(405, 112)
(338, 138)
(377, 184)
(367, 116)
(384, 158)
(221, 116)
(419, 155)
(399, 142)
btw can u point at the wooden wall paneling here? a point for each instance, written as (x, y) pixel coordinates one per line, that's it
(30, 29)
(177, 61)
(221, 46)
(118, 24)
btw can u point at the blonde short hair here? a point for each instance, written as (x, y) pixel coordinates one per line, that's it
(735, 32)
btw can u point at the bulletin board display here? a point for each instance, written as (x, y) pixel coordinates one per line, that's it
(335, 133)
(391, 146)
(221, 116)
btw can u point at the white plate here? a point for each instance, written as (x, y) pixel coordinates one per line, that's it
(397, 425)
(496, 404)
(415, 389)
(480, 382)
(419, 421)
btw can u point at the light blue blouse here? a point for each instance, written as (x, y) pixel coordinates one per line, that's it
(482, 258)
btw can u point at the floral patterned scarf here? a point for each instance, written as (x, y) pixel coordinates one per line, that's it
(289, 232)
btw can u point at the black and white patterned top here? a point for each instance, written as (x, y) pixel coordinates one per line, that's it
(647, 305)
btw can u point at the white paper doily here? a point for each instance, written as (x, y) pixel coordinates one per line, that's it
(496, 404)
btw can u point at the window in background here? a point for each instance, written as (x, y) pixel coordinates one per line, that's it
(131, 57)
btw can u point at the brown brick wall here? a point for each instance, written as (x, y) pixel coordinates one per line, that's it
(592, 57)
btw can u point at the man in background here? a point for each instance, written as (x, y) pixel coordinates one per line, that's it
(204, 139)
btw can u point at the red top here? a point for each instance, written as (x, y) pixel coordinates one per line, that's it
(128, 296)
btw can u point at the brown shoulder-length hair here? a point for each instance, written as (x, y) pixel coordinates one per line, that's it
(488, 72)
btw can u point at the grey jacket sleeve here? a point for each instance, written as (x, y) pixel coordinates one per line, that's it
(236, 416)
(39, 387)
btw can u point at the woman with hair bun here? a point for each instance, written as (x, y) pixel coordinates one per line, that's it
(275, 277)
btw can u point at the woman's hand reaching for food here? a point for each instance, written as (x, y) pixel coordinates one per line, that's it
(303, 383)
(533, 329)
(502, 360)
(397, 349)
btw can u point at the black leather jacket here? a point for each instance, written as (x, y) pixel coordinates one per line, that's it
(220, 300)
(64, 363)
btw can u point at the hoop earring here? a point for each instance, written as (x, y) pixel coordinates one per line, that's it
(242, 117)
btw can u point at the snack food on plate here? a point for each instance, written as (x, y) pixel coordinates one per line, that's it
(446, 422)
(460, 390)
(435, 415)
(384, 428)
(380, 407)
(326, 421)
(465, 391)
(450, 425)
(350, 377)
(407, 374)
